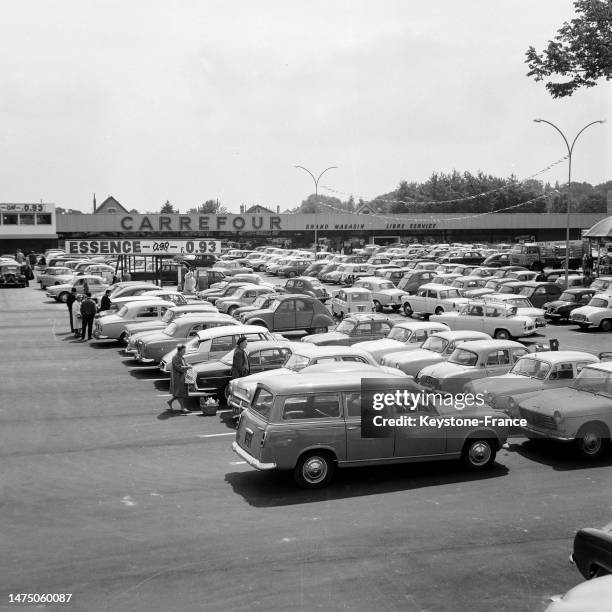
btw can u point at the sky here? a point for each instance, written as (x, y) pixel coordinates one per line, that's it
(192, 100)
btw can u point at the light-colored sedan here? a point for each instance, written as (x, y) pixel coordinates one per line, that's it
(470, 361)
(95, 284)
(531, 374)
(245, 296)
(113, 326)
(402, 337)
(57, 275)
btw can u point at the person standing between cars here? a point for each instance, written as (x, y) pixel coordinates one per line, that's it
(105, 302)
(240, 363)
(190, 283)
(70, 300)
(178, 386)
(76, 315)
(19, 258)
(32, 259)
(88, 312)
(85, 287)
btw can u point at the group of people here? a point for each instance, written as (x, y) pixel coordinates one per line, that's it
(82, 310)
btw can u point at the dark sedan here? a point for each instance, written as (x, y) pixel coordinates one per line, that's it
(593, 552)
(211, 377)
(559, 310)
(306, 286)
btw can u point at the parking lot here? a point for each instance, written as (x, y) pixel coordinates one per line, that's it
(107, 497)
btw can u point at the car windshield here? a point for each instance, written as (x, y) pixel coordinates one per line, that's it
(273, 305)
(519, 302)
(464, 357)
(400, 334)
(168, 316)
(232, 290)
(346, 327)
(388, 285)
(170, 329)
(122, 311)
(593, 380)
(598, 303)
(567, 297)
(297, 362)
(260, 301)
(437, 345)
(525, 291)
(533, 368)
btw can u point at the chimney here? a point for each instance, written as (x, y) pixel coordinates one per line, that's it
(278, 209)
(94, 203)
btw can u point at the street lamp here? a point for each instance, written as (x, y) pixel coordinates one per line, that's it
(570, 150)
(316, 182)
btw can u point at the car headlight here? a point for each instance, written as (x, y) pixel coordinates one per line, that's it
(488, 396)
(558, 418)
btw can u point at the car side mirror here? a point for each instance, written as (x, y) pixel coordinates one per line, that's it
(605, 356)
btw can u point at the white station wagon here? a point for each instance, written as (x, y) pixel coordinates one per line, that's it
(432, 298)
(384, 292)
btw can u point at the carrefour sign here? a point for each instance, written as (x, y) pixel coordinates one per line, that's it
(159, 246)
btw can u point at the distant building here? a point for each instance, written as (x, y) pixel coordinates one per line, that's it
(257, 209)
(110, 206)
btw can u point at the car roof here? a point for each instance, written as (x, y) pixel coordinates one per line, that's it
(419, 324)
(206, 334)
(308, 349)
(435, 286)
(260, 345)
(537, 283)
(368, 316)
(193, 308)
(157, 302)
(355, 290)
(481, 345)
(580, 290)
(554, 357)
(209, 316)
(459, 334)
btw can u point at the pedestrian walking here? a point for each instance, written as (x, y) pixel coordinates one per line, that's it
(85, 287)
(190, 283)
(240, 362)
(70, 300)
(88, 312)
(76, 320)
(178, 386)
(105, 302)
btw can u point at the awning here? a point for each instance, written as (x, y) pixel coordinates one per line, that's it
(602, 229)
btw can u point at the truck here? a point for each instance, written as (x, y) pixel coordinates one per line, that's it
(540, 255)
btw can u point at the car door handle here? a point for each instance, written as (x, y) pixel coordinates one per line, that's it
(352, 427)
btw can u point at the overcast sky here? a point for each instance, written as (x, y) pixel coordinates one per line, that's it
(195, 100)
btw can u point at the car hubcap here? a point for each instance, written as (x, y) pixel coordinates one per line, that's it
(479, 453)
(591, 443)
(314, 470)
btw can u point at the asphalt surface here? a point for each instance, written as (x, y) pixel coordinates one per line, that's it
(106, 496)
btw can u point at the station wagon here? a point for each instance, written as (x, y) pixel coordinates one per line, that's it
(311, 424)
(112, 326)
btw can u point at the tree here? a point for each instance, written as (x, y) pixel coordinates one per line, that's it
(580, 52)
(210, 207)
(167, 208)
(134, 212)
(325, 204)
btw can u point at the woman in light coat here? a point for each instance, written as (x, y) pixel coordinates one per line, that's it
(76, 316)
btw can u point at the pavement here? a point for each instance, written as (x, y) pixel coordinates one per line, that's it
(106, 496)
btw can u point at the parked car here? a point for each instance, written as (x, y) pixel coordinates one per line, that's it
(470, 361)
(602, 284)
(524, 275)
(98, 269)
(538, 293)
(497, 320)
(135, 331)
(531, 374)
(314, 268)
(497, 260)
(304, 356)
(468, 283)
(384, 293)
(11, 274)
(294, 267)
(131, 288)
(580, 413)
(228, 291)
(112, 326)
(354, 328)
(350, 300)
(575, 280)
(311, 424)
(293, 312)
(119, 303)
(177, 298)
(58, 275)
(262, 302)
(231, 268)
(438, 347)
(569, 300)
(586, 597)
(523, 306)
(244, 296)
(597, 313)
(463, 257)
(592, 554)
(351, 272)
(214, 343)
(413, 280)
(432, 298)
(96, 285)
(152, 346)
(305, 286)
(405, 336)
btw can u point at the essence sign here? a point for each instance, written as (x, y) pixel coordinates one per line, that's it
(142, 247)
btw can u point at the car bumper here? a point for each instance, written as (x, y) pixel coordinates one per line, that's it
(532, 432)
(251, 460)
(553, 316)
(98, 335)
(142, 359)
(582, 323)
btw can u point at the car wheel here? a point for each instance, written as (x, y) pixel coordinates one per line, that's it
(479, 453)
(123, 337)
(63, 297)
(502, 334)
(591, 440)
(291, 274)
(396, 308)
(231, 310)
(377, 306)
(439, 310)
(314, 470)
(408, 309)
(606, 325)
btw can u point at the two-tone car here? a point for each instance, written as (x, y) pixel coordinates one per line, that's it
(113, 326)
(244, 296)
(597, 313)
(580, 413)
(437, 348)
(523, 306)
(404, 336)
(432, 298)
(531, 374)
(561, 309)
(384, 293)
(471, 361)
(94, 284)
(312, 424)
(495, 319)
(152, 346)
(354, 328)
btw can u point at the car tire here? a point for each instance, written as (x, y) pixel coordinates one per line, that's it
(63, 297)
(408, 309)
(231, 310)
(314, 470)
(591, 440)
(291, 274)
(439, 310)
(396, 308)
(123, 338)
(606, 325)
(502, 334)
(377, 306)
(479, 453)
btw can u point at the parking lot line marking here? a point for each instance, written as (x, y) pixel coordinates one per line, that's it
(237, 462)
(229, 433)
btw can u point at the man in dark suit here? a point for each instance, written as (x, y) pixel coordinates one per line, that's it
(240, 363)
(105, 302)
(88, 312)
(69, 302)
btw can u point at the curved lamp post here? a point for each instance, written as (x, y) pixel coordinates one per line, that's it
(316, 183)
(570, 150)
